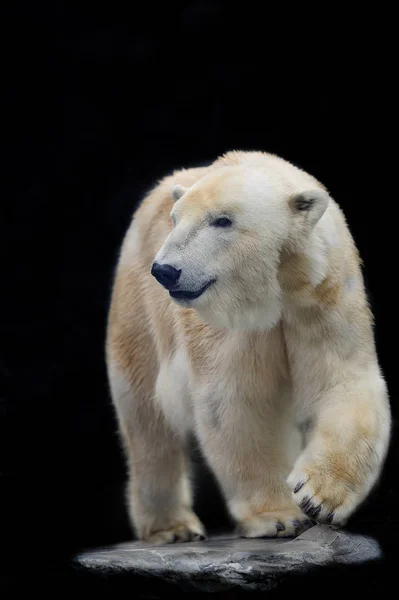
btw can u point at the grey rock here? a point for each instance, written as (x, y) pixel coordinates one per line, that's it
(224, 563)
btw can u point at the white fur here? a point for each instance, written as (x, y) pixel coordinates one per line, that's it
(173, 392)
(282, 337)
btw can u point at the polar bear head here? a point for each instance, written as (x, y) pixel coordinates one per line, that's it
(230, 228)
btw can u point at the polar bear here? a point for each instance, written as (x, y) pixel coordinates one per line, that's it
(239, 316)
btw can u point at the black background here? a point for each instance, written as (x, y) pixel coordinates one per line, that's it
(100, 104)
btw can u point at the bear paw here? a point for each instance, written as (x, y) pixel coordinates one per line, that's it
(188, 530)
(284, 523)
(324, 493)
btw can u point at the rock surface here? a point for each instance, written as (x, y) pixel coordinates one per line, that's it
(225, 563)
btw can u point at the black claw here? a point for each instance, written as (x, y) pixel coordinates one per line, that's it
(302, 524)
(330, 517)
(175, 538)
(308, 523)
(280, 526)
(309, 508)
(306, 504)
(297, 523)
(298, 486)
(314, 512)
(198, 537)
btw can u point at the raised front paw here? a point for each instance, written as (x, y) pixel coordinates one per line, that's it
(328, 490)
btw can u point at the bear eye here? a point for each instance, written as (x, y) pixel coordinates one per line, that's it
(222, 222)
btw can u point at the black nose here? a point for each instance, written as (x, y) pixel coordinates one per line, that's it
(166, 275)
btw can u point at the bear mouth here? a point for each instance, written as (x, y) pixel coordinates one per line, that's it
(190, 295)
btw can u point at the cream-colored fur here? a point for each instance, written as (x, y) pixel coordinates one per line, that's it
(282, 337)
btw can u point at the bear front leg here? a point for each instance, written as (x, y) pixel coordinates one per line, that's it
(346, 451)
(159, 498)
(250, 457)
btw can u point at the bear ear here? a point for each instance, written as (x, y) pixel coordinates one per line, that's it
(312, 204)
(178, 191)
